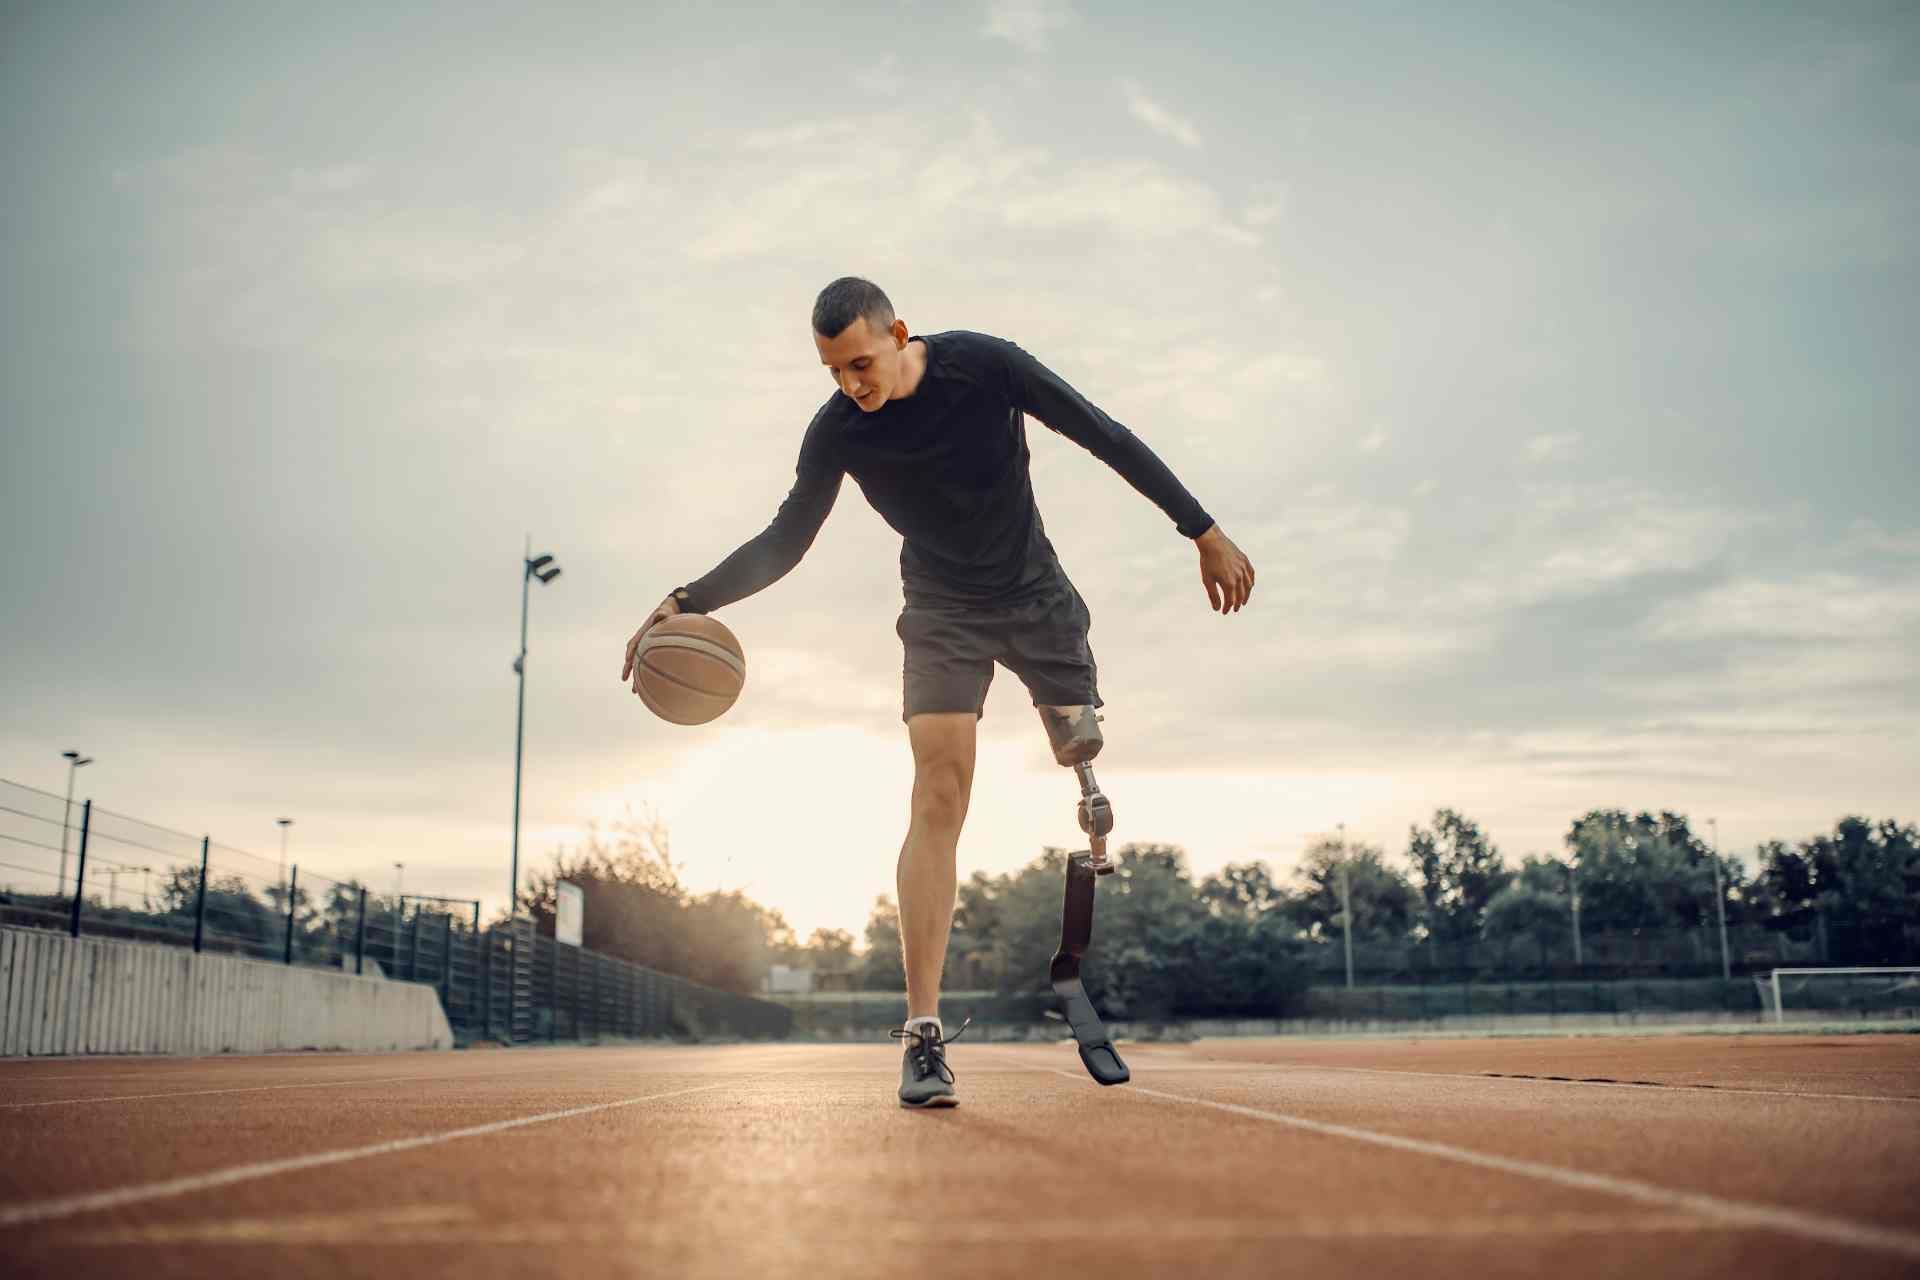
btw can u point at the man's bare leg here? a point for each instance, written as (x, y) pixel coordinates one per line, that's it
(943, 755)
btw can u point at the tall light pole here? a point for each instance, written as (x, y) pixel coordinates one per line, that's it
(1573, 893)
(1720, 904)
(74, 760)
(283, 823)
(1346, 904)
(399, 911)
(531, 567)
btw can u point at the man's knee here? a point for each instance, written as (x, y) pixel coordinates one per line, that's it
(940, 793)
(943, 754)
(1073, 733)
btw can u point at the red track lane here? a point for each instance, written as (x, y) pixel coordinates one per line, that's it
(1226, 1158)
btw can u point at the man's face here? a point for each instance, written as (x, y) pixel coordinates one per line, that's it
(864, 361)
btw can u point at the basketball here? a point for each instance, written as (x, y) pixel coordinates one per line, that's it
(690, 668)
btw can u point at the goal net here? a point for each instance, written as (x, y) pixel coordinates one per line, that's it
(1840, 993)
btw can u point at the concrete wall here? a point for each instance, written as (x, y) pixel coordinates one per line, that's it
(62, 995)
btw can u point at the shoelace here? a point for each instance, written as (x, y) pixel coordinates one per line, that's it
(922, 1048)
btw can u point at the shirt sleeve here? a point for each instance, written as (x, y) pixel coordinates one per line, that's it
(772, 553)
(1041, 392)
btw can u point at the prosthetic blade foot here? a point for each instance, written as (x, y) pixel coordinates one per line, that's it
(1097, 1053)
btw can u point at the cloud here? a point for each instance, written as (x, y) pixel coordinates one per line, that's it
(1127, 196)
(884, 80)
(1266, 203)
(1546, 448)
(1158, 118)
(332, 178)
(1822, 609)
(1373, 441)
(1579, 540)
(1027, 23)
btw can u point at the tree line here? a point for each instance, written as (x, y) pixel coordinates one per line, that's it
(1628, 892)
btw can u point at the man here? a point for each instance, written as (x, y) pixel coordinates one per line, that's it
(932, 428)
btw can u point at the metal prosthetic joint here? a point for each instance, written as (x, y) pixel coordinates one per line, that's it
(1096, 819)
(1074, 734)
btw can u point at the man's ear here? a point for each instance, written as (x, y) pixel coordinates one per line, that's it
(899, 332)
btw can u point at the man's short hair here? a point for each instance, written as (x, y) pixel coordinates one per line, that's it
(846, 300)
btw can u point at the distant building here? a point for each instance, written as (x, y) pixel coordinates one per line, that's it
(784, 979)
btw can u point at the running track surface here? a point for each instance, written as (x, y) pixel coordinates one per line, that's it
(1671, 1156)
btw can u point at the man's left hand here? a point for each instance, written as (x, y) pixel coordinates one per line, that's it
(1225, 570)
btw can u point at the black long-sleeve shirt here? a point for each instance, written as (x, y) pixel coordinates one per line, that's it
(947, 468)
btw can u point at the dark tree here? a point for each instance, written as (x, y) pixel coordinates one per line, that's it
(1458, 873)
(1640, 872)
(1385, 903)
(1243, 888)
(1860, 884)
(883, 968)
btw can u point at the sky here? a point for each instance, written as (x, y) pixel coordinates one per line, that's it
(1543, 359)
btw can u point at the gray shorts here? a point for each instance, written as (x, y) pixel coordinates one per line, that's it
(950, 652)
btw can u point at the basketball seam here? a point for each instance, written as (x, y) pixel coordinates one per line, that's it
(694, 644)
(690, 688)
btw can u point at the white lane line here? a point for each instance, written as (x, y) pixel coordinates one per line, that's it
(1767, 1217)
(1227, 1064)
(67, 1206)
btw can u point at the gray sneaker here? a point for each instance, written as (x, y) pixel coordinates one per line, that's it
(925, 1078)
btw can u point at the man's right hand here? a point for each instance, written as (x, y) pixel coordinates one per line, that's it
(1225, 571)
(629, 670)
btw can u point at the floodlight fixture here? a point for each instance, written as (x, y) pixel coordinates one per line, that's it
(74, 760)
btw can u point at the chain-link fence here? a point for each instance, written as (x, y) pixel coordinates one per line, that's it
(1603, 954)
(85, 869)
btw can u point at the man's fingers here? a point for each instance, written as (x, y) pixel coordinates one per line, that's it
(1213, 593)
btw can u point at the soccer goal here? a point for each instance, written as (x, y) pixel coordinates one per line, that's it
(1875, 993)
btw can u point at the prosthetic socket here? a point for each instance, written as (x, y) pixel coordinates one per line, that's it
(1075, 736)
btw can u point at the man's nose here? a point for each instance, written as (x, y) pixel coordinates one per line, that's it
(850, 383)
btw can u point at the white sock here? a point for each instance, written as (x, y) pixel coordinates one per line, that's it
(917, 1022)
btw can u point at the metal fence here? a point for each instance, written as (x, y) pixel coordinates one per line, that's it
(1606, 954)
(86, 869)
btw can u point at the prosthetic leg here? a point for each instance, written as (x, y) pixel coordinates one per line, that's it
(1075, 738)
